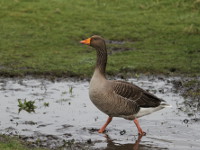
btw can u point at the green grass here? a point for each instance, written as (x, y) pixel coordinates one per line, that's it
(41, 37)
(12, 143)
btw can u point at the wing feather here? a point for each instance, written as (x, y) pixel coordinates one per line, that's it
(135, 94)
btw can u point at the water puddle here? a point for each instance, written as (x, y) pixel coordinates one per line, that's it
(65, 117)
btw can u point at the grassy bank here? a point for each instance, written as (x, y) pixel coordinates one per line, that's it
(12, 143)
(42, 36)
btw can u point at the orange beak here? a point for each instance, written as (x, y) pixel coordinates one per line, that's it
(87, 41)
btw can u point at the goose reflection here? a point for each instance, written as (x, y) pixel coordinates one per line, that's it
(111, 145)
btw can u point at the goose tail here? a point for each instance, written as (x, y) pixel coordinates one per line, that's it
(165, 104)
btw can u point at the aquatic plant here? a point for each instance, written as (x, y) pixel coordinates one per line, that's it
(26, 105)
(71, 90)
(64, 93)
(46, 104)
(62, 100)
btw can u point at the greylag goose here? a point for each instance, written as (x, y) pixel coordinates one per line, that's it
(118, 98)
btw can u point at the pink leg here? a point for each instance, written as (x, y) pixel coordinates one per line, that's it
(140, 132)
(105, 125)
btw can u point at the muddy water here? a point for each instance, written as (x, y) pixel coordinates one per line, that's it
(71, 121)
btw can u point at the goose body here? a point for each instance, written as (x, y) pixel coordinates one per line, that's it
(118, 98)
(122, 99)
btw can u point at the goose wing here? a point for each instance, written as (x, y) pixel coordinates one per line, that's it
(135, 94)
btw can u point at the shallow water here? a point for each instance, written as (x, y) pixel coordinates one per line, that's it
(71, 116)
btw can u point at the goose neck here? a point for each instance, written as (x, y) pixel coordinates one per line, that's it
(101, 62)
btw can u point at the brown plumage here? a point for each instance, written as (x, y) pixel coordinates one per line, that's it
(118, 98)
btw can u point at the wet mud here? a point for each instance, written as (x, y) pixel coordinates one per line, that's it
(65, 118)
(118, 46)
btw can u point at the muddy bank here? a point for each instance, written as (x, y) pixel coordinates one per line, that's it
(189, 89)
(65, 118)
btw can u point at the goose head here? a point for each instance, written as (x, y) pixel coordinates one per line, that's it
(95, 41)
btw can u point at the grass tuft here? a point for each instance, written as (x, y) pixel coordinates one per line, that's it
(192, 30)
(14, 143)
